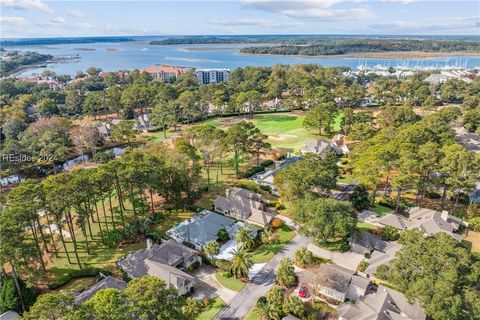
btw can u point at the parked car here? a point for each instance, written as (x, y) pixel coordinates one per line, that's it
(302, 292)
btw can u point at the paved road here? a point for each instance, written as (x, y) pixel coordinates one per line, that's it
(246, 298)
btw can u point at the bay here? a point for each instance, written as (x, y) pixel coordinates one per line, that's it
(139, 54)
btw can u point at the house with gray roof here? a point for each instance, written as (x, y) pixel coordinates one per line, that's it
(384, 304)
(106, 283)
(321, 147)
(364, 242)
(163, 261)
(428, 220)
(335, 282)
(267, 177)
(244, 204)
(204, 227)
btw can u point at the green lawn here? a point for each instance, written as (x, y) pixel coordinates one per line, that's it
(78, 284)
(266, 252)
(229, 283)
(172, 220)
(346, 179)
(212, 309)
(380, 210)
(251, 315)
(334, 245)
(102, 257)
(366, 226)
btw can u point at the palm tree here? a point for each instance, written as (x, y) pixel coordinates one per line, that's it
(211, 248)
(240, 263)
(266, 310)
(268, 236)
(244, 238)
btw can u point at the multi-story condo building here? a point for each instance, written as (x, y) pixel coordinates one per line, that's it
(166, 73)
(206, 76)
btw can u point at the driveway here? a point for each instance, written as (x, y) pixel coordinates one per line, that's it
(349, 260)
(260, 283)
(208, 286)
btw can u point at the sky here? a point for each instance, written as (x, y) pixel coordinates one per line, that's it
(42, 18)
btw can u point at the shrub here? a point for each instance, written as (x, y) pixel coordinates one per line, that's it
(474, 224)
(279, 206)
(387, 202)
(9, 300)
(222, 235)
(155, 235)
(304, 257)
(223, 265)
(113, 237)
(363, 266)
(389, 233)
(277, 223)
(266, 163)
(250, 172)
(248, 184)
(266, 188)
(227, 274)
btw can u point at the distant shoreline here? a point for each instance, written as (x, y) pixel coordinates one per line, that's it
(377, 55)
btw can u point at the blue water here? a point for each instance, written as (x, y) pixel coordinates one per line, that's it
(139, 54)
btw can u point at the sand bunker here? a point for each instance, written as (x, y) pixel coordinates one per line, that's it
(282, 136)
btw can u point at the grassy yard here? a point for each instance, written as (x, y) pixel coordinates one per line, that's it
(380, 210)
(334, 245)
(266, 252)
(172, 220)
(473, 239)
(251, 315)
(229, 283)
(102, 257)
(78, 284)
(212, 309)
(346, 179)
(366, 226)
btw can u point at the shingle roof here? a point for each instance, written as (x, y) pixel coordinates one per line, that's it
(385, 304)
(204, 227)
(319, 146)
(106, 283)
(430, 221)
(331, 276)
(394, 221)
(368, 241)
(164, 69)
(172, 276)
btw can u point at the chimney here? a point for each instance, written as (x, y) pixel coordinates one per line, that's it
(149, 244)
(444, 215)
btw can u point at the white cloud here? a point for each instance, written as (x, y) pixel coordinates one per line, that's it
(58, 21)
(86, 26)
(321, 10)
(399, 1)
(77, 14)
(453, 24)
(27, 5)
(13, 21)
(255, 22)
